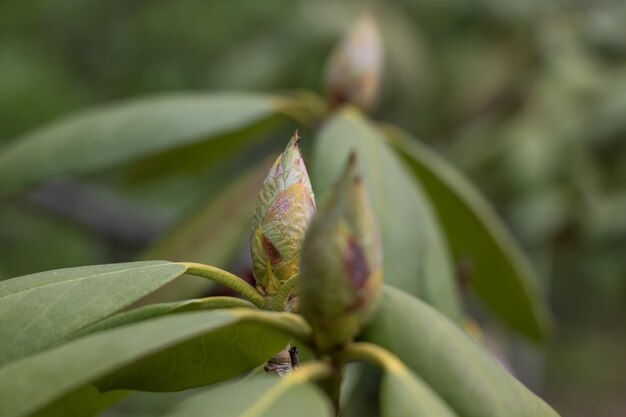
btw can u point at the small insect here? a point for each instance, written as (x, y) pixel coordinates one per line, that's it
(293, 354)
(282, 363)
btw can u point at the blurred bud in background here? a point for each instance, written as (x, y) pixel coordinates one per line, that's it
(354, 68)
(283, 211)
(341, 270)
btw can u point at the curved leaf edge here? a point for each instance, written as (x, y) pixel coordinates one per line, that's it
(21, 149)
(423, 400)
(478, 207)
(272, 390)
(461, 360)
(24, 402)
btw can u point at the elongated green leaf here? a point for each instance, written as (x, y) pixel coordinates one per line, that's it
(173, 352)
(83, 402)
(112, 134)
(217, 153)
(360, 390)
(449, 361)
(215, 357)
(156, 310)
(258, 397)
(501, 275)
(404, 394)
(40, 309)
(415, 255)
(211, 236)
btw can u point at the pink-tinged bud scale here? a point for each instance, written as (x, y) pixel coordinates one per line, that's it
(284, 209)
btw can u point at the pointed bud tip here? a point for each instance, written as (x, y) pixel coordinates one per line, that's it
(293, 144)
(352, 159)
(295, 139)
(351, 170)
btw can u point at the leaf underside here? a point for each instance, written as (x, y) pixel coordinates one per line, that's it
(173, 352)
(258, 397)
(404, 394)
(459, 370)
(112, 134)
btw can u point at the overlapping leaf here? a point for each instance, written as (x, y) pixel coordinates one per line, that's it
(40, 309)
(112, 134)
(84, 402)
(258, 397)
(453, 365)
(401, 392)
(404, 394)
(476, 235)
(169, 353)
(161, 309)
(415, 255)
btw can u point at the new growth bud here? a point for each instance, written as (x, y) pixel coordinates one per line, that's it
(341, 268)
(283, 212)
(354, 67)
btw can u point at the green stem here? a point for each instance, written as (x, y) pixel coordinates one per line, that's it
(214, 303)
(279, 301)
(227, 279)
(332, 386)
(369, 352)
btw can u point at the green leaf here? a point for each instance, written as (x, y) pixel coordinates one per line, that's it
(212, 235)
(156, 310)
(404, 394)
(116, 133)
(219, 154)
(215, 357)
(450, 362)
(360, 390)
(415, 257)
(83, 402)
(175, 352)
(475, 234)
(40, 309)
(258, 397)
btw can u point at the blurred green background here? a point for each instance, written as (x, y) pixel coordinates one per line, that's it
(526, 97)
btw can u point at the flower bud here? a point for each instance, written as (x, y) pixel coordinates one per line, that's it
(354, 67)
(283, 212)
(341, 268)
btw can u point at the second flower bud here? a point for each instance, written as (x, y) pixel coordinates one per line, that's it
(341, 268)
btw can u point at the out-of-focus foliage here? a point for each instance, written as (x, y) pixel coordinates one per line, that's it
(526, 97)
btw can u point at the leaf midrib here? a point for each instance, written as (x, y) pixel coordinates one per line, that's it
(70, 281)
